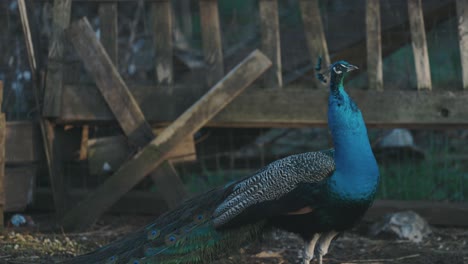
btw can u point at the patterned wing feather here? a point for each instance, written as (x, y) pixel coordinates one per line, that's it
(273, 182)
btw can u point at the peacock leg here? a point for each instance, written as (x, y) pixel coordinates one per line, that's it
(324, 244)
(309, 248)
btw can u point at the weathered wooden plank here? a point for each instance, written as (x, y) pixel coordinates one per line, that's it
(270, 41)
(211, 41)
(374, 45)
(150, 157)
(170, 195)
(117, 95)
(315, 36)
(114, 151)
(22, 144)
(418, 41)
(110, 83)
(19, 187)
(55, 66)
(109, 30)
(133, 202)
(436, 213)
(162, 39)
(28, 37)
(84, 142)
(295, 106)
(462, 13)
(186, 14)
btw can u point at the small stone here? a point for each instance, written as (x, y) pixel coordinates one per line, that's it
(406, 225)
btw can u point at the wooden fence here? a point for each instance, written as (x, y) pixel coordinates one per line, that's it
(137, 108)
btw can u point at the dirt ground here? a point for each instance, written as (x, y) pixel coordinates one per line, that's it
(34, 245)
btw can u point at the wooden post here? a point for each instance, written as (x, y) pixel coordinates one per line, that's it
(462, 13)
(315, 36)
(2, 159)
(374, 45)
(418, 40)
(109, 30)
(211, 41)
(162, 39)
(156, 152)
(186, 18)
(55, 65)
(120, 100)
(269, 23)
(84, 142)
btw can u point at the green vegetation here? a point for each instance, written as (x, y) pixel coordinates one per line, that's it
(434, 178)
(429, 179)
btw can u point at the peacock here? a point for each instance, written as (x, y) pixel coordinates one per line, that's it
(316, 195)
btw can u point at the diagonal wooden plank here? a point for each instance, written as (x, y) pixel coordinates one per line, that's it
(121, 101)
(374, 45)
(156, 152)
(109, 82)
(462, 13)
(418, 40)
(270, 41)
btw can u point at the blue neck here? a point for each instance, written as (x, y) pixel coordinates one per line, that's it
(356, 169)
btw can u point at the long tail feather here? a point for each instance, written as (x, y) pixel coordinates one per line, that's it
(184, 235)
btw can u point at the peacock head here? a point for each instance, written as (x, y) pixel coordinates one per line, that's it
(341, 67)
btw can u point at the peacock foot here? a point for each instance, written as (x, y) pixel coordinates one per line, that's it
(324, 244)
(309, 248)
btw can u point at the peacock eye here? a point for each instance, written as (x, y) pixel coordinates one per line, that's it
(336, 70)
(152, 234)
(171, 239)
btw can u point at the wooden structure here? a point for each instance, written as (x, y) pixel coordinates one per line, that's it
(139, 108)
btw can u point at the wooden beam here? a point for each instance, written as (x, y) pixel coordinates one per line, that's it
(462, 13)
(295, 106)
(418, 41)
(436, 213)
(133, 202)
(109, 82)
(109, 30)
(162, 39)
(55, 66)
(115, 150)
(270, 42)
(22, 144)
(19, 187)
(374, 45)
(211, 41)
(171, 195)
(315, 36)
(150, 157)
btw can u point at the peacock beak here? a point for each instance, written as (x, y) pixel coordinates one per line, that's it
(351, 67)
